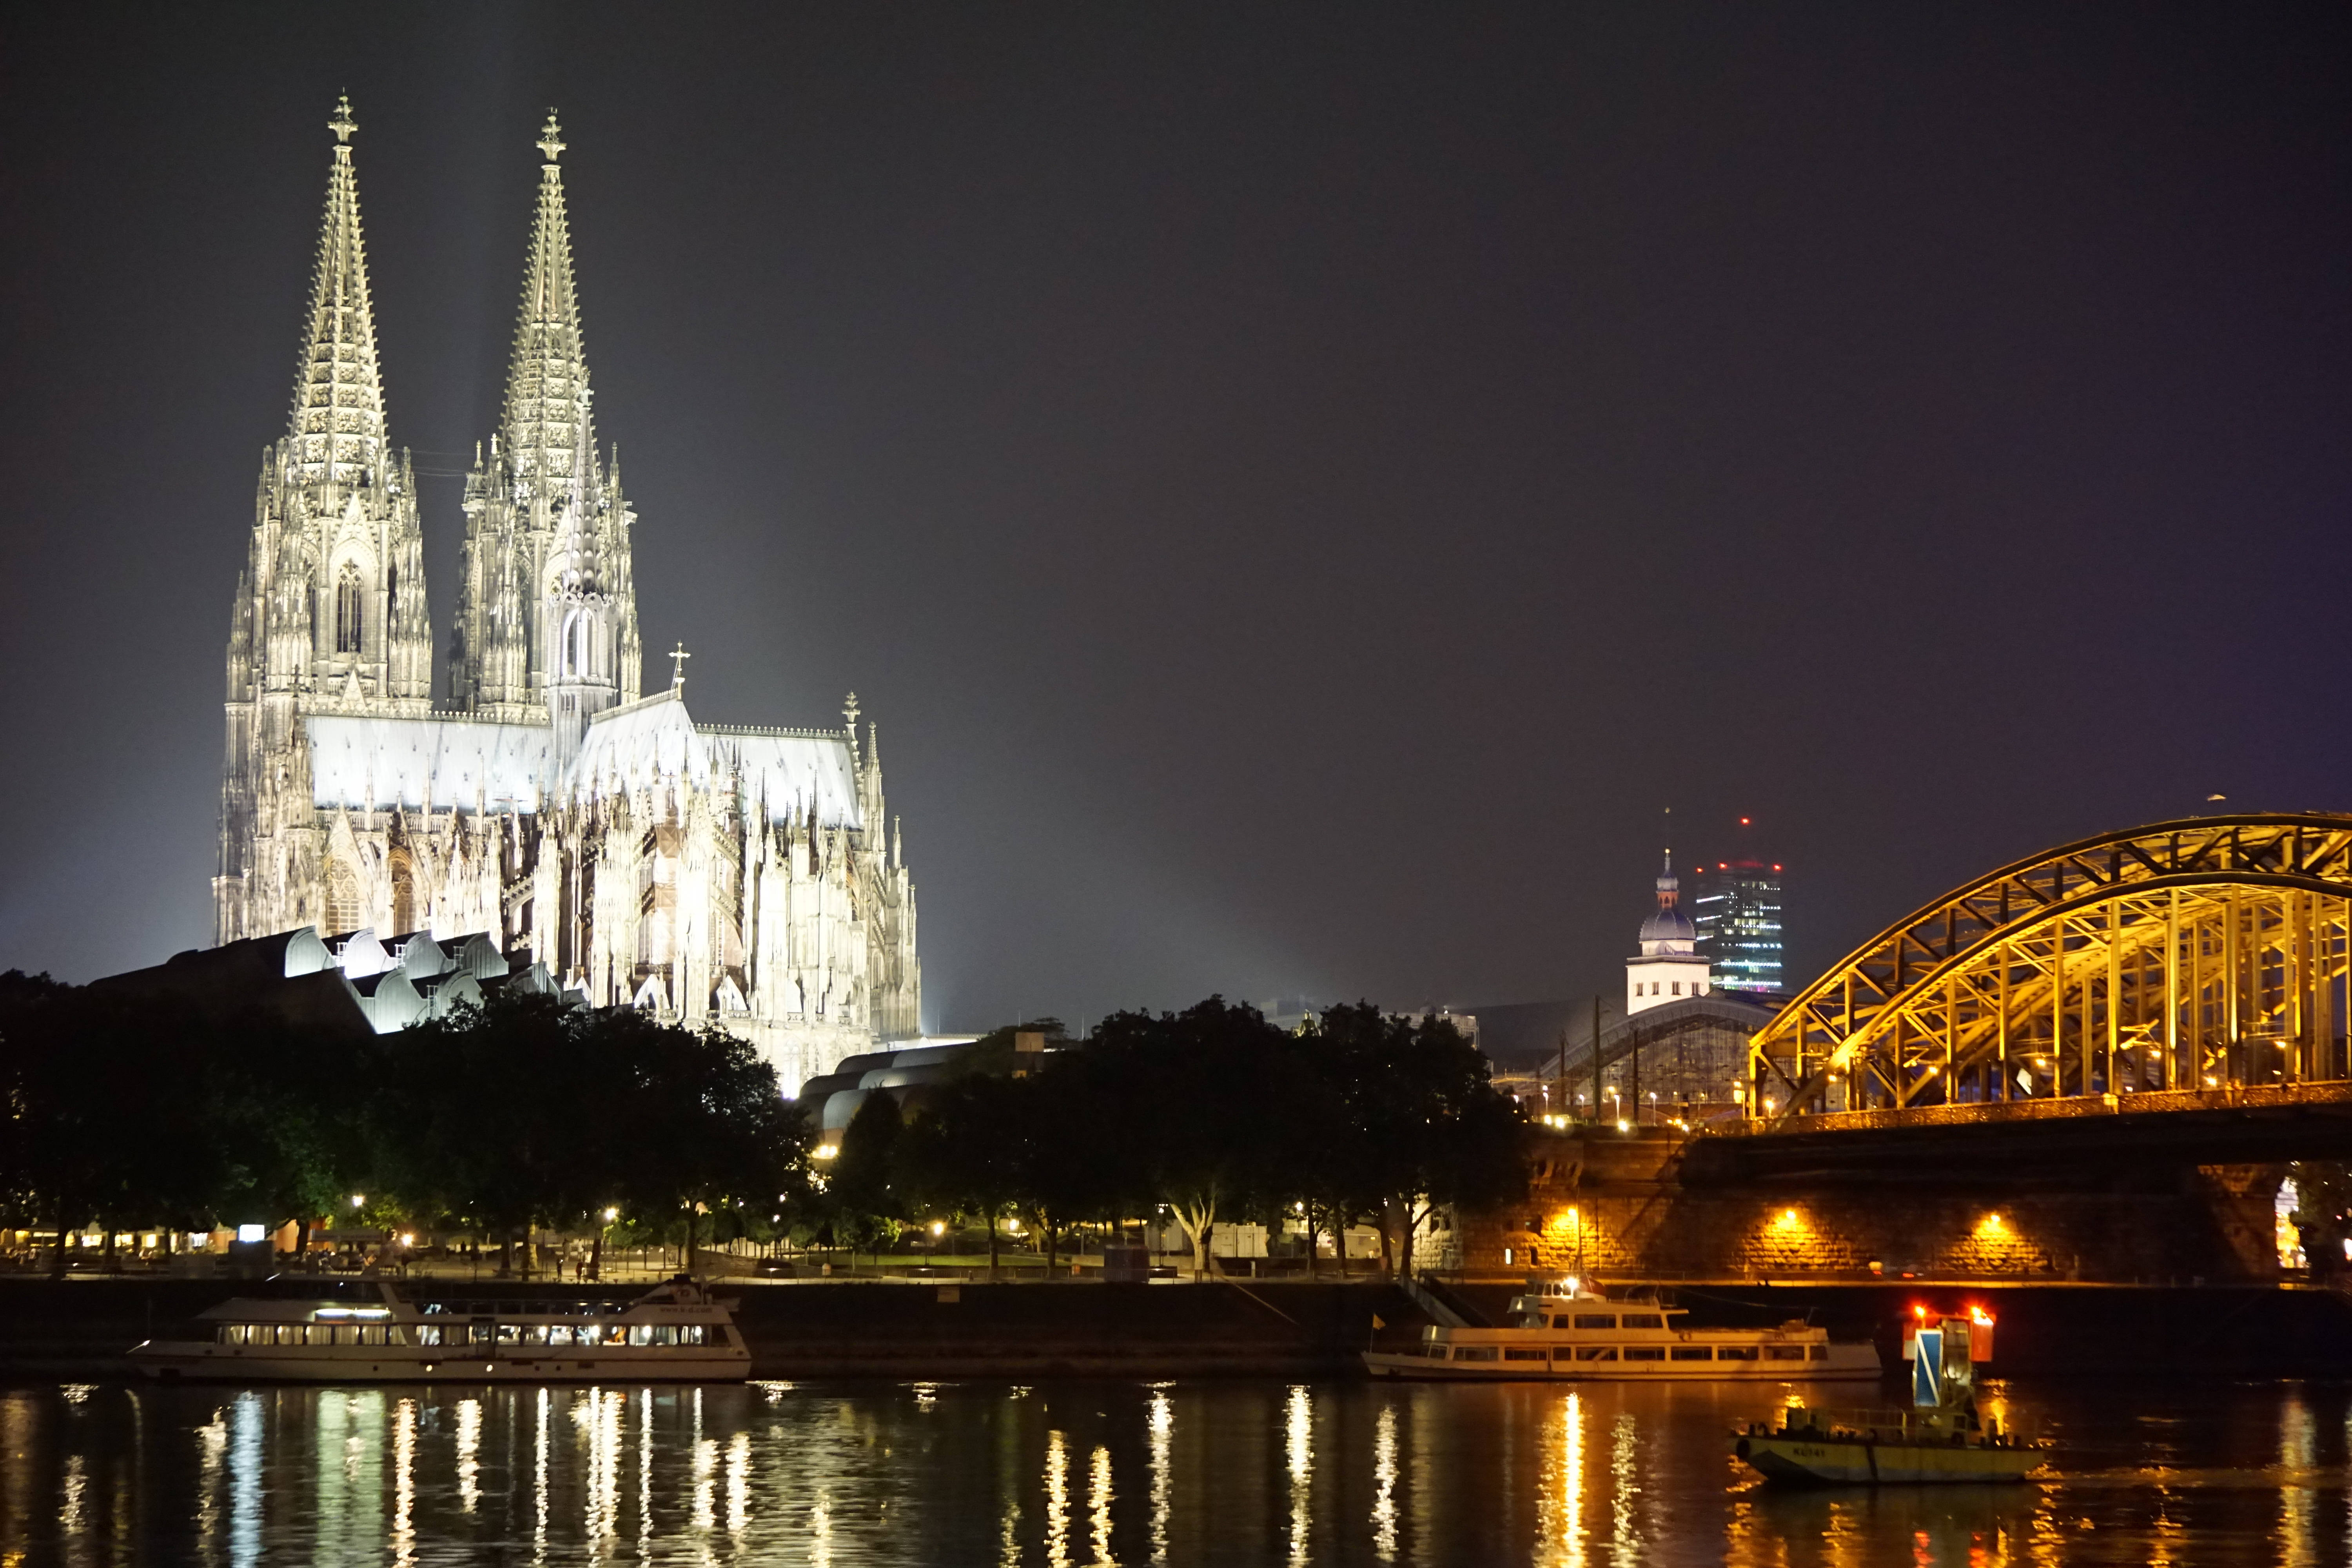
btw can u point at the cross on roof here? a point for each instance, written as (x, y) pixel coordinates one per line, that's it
(551, 138)
(677, 658)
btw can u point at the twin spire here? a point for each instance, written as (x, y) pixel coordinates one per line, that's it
(337, 428)
(549, 430)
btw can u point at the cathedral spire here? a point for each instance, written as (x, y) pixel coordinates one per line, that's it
(548, 429)
(337, 426)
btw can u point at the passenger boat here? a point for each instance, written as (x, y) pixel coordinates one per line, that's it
(675, 1333)
(1577, 1334)
(1940, 1439)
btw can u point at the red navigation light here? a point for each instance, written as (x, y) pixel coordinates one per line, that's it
(1743, 821)
(1776, 866)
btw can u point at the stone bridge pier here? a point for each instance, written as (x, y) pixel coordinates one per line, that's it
(1656, 1203)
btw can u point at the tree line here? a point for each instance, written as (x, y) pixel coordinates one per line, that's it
(1205, 1116)
(525, 1113)
(137, 1114)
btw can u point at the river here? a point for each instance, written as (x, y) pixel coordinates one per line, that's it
(847, 1474)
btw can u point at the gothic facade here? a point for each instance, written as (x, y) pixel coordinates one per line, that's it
(747, 877)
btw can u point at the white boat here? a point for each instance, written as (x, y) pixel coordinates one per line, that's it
(1579, 1335)
(676, 1334)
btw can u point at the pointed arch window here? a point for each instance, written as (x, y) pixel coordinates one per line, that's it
(348, 611)
(343, 901)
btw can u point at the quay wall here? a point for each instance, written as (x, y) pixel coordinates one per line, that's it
(79, 1329)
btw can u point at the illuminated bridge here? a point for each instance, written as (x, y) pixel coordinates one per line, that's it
(2179, 985)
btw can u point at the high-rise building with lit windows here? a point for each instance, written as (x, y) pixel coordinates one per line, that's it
(1738, 918)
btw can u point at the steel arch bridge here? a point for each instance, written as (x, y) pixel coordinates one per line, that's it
(2202, 961)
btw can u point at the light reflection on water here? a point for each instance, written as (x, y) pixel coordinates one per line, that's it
(1097, 1473)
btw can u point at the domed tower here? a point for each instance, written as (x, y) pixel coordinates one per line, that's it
(1669, 965)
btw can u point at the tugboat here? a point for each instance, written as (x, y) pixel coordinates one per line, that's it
(676, 1332)
(1577, 1334)
(1940, 1439)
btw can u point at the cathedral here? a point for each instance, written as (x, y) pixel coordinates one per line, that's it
(746, 876)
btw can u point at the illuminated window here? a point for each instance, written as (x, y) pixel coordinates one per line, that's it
(347, 611)
(343, 901)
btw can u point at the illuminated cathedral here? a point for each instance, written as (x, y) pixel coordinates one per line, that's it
(748, 877)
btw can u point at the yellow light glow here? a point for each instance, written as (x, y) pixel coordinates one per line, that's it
(408, 1238)
(938, 1228)
(1991, 1224)
(824, 1151)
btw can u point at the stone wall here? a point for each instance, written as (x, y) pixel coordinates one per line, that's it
(1615, 1205)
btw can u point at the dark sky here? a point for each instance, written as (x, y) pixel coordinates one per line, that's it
(1300, 488)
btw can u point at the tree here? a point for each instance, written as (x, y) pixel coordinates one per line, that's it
(1193, 1111)
(1423, 1125)
(864, 1192)
(966, 1155)
(2323, 1215)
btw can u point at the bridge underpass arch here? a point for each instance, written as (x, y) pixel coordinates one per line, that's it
(2200, 962)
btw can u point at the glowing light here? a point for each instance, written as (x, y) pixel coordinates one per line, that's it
(1980, 1317)
(1918, 1311)
(938, 1228)
(251, 1232)
(408, 1238)
(824, 1151)
(358, 1198)
(612, 1214)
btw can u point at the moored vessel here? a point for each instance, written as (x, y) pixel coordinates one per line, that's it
(1939, 1439)
(677, 1332)
(1576, 1333)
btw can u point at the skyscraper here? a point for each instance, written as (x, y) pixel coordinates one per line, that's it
(1738, 912)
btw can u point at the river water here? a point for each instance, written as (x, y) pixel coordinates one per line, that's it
(1183, 1473)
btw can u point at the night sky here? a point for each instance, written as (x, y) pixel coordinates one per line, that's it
(1300, 488)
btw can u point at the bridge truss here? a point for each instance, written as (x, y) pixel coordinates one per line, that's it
(2209, 954)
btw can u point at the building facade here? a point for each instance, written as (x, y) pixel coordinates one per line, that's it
(746, 876)
(1669, 965)
(1739, 923)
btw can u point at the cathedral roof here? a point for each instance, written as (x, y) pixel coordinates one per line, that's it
(443, 761)
(337, 426)
(656, 740)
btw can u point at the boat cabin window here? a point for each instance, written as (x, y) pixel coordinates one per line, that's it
(1693, 1352)
(430, 1334)
(1735, 1353)
(1596, 1320)
(1525, 1355)
(1644, 1321)
(1821, 1353)
(1476, 1352)
(1646, 1352)
(1596, 1352)
(1784, 1352)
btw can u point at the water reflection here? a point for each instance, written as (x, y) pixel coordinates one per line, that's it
(1298, 1438)
(1058, 1501)
(1098, 1503)
(1243, 1473)
(1163, 1429)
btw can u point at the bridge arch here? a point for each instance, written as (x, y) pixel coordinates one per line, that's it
(2205, 956)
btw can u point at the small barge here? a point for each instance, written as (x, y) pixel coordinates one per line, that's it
(1939, 1439)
